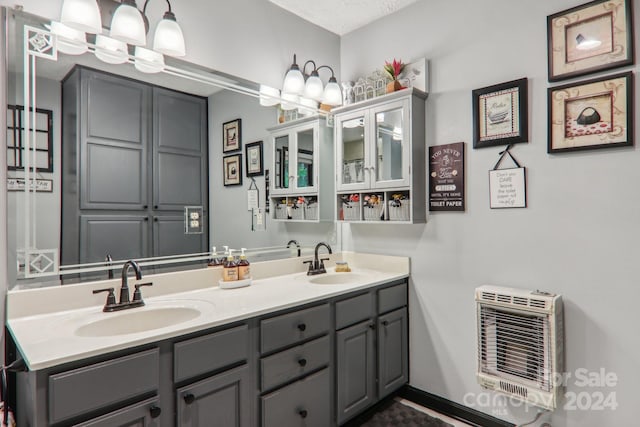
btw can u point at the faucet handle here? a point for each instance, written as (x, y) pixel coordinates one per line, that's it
(310, 262)
(111, 297)
(137, 295)
(322, 260)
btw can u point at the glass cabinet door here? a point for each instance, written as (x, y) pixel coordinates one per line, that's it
(306, 159)
(281, 155)
(390, 162)
(352, 152)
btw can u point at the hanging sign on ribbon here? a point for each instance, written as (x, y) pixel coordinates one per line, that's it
(507, 187)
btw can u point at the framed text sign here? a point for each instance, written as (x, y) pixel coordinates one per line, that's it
(507, 188)
(446, 177)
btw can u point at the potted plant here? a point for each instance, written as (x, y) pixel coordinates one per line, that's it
(393, 70)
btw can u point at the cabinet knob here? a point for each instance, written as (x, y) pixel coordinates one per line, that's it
(385, 323)
(145, 207)
(302, 362)
(372, 325)
(155, 206)
(302, 327)
(146, 219)
(303, 413)
(155, 219)
(155, 411)
(189, 398)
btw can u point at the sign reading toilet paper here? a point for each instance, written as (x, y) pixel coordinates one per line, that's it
(507, 188)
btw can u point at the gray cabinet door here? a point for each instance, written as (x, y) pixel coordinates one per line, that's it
(222, 400)
(113, 142)
(169, 237)
(179, 150)
(355, 369)
(143, 414)
(393, 361)
(118, 235)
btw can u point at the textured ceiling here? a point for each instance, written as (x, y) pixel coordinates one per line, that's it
(342, 16)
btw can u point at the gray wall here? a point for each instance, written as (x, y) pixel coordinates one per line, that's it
(578, 237)
(230, 221)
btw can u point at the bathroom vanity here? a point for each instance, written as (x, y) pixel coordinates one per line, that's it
(288, 350)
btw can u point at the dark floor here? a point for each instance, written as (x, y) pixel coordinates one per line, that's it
(393, 413)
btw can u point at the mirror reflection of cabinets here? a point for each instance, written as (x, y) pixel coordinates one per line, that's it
(302, 149)
(380, 159)
(134, 155)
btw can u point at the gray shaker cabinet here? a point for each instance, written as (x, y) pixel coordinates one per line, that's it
(393, 369)
(130, 149)
(219, 400)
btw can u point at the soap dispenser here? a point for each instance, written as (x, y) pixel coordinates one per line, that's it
(215, 261)
(244, 271)
(230, 270)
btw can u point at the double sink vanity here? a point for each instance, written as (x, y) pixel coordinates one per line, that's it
(290, 350)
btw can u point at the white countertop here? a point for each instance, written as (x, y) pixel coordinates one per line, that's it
(47, 337)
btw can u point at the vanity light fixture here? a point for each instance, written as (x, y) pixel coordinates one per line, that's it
(83, 15)
(168, 38)
(586, 43)
(289, 101)
(148, 61)
(110, 50)
(299, 83)
(70, 40)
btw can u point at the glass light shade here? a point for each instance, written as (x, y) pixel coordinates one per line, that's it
(290, 97)
(168, 38)
(110, 50)
(332, 94)
(83, 15)
(70, 40)
(311, 104)
(313, 88)
(269, 96)
(127, 25)
(148, 61)
(293, 82)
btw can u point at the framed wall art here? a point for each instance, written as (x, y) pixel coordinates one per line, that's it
(592, 37)
(500, 114)
(254, 159)
(231, 135)
(592, 114)
(232, 170)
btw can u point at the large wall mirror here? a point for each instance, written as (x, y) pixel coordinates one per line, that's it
(117, 153)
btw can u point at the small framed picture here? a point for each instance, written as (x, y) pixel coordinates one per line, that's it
(232, 169)
(254, 159)
(231, 135)
(592, 37)
(508, 188)
(500, 114)
(592, 114)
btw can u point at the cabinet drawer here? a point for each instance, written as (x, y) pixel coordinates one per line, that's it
(294, 363)
(208, 353)
(291, 328)
(392, 297)
(140, 414)
(92, 387)
(304, 403)
(354, 310)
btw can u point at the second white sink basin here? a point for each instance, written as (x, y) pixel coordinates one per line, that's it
(137, 320)
(337, 279)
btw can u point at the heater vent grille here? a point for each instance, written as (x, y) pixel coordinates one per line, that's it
(513, 389)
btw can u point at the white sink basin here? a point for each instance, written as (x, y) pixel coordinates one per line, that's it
(137, 320)
(337, 279)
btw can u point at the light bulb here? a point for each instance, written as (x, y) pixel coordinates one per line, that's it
(269, 96)
(70, 40)
(110, 50)
(332, 93)
(83, 15)
(127, 24)
(168, 38)
(148, 61)
(313, 87)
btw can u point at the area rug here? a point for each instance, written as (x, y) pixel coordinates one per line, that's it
(396, 414)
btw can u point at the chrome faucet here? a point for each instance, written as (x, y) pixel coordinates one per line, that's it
(294, 242)
(317, 265)
(125, 303)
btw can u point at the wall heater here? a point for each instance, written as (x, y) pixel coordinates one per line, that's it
(520, 344)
